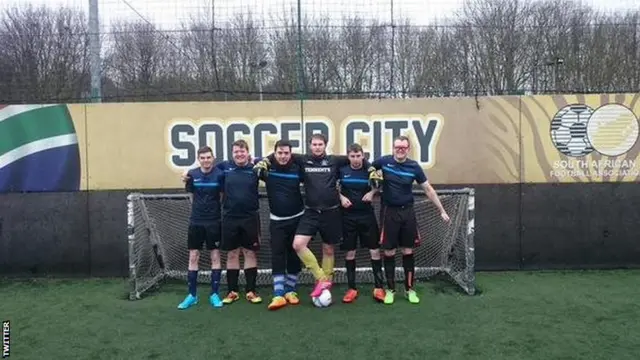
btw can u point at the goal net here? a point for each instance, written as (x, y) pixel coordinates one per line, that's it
(157, 234)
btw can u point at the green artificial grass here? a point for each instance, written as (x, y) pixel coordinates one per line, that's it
(517, 315)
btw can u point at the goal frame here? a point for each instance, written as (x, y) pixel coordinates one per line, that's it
(466, 280)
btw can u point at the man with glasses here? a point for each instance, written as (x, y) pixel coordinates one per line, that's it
(397, 216)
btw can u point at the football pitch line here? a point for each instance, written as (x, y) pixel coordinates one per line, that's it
(516, 315)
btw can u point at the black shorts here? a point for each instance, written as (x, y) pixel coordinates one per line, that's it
(209, 235)
(326, 222)
(361, 228)
(399, 227)
(283, 231)
(241, 232)
(284, 259)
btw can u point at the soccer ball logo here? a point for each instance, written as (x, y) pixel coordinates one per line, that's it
(569, 130)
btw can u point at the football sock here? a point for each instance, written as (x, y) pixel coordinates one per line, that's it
(328, 263)
(390, 271)
(278, 285)
(232, 279)
(251, 274)
(376, 265)
(292, 282)
(351, 273)
(409, 270)
(309, 260)
(215, 280)
(192, 278)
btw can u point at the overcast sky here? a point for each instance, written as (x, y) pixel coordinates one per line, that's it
(168, 14)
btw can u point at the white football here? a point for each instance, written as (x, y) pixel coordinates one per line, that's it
(323, 300)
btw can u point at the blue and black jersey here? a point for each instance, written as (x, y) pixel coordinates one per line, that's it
(354, 184)
(397, 187)
(320, 179)
(240, 188)
(206, 188)
(283, 190)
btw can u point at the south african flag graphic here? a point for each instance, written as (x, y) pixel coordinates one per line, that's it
(38, 149)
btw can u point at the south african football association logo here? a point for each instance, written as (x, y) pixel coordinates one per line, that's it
(578, 130)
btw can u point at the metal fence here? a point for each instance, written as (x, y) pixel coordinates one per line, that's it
(225, 50)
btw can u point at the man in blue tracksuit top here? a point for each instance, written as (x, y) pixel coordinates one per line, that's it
(204, 185)
(240, 221)
(286, 209)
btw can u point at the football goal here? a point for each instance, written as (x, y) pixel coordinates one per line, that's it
(157, 235)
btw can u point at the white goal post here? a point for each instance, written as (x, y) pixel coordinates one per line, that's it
(157, 236)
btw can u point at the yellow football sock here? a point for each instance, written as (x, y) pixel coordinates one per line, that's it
(328, 262)
(310, 261)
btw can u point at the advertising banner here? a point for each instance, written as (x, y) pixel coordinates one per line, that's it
(484, 140)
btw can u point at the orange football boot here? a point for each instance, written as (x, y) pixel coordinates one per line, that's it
(278, 302)
(378, 294)
(292, 298)
(350, 296)
(253, 298)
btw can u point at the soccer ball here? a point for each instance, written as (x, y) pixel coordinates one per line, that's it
(569, 130)
(323, 300)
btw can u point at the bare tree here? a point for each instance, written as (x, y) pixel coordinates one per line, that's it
(137, 60)
(320, 45)
(284, 68)
(489, 47)
(613, 57)
(357, 53)
(43, 55)
(406, 57)
(243, 45)
(199, 41)
(498, 43)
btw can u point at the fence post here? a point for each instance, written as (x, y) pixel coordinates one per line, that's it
(301, 82)
(94, 51)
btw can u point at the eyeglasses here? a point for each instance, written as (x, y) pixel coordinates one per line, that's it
(401, 148)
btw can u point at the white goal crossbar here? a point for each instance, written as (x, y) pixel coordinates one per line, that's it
(158, 223)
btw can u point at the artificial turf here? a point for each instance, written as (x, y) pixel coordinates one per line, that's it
(518, 315)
